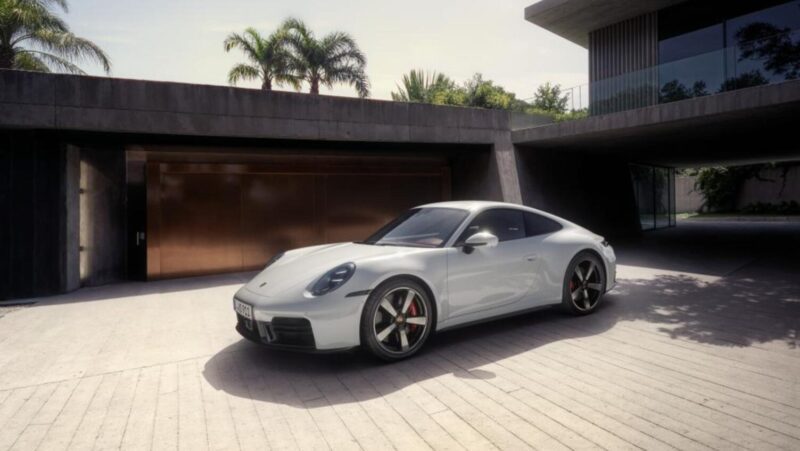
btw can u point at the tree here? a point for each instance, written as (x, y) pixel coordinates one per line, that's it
(745, 80)
(270, 58)
(421, 87)
(775, 46)
(549, 98)
(33, 37)
(333, 59)
(482, 93)
(674, 90)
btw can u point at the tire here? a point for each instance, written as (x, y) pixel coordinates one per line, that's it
(580, 294)
(386, 329)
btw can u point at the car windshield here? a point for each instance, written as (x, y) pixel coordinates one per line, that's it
(419, 227)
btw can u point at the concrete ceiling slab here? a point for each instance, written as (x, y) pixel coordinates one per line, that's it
(574, 19)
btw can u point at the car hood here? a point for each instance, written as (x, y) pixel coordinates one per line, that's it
(297, 270)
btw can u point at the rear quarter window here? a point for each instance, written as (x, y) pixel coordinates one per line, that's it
(536, 225)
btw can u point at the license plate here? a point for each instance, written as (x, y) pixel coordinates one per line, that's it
(243, 309)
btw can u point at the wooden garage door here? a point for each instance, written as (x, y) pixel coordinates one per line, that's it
(213, 218)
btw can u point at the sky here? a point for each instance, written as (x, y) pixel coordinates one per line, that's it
(181, 40)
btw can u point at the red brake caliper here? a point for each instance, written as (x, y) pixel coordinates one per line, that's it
(412, 311)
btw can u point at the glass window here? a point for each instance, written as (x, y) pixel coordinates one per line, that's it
(539, 225)
(419, 227)
(642, 177)
(505, 224)
(654, 191)
(719, 45)
(662, 194)
(686, 45)
(764, 46)
(692, 64)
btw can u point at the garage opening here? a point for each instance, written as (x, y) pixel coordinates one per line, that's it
(206, 218)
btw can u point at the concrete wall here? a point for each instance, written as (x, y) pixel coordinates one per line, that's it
(102, 215)
(687, 200)
(775, 191)
(68, 102)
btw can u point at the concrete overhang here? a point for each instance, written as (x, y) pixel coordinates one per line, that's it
(574, 19)
(107, 105)
(748, 125)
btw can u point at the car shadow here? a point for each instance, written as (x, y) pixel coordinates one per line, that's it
(753, 306)
(245, 369)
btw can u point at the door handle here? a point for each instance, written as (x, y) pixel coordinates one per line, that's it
(531, 257)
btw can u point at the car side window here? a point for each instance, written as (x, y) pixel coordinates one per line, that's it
(539, 225)
(505, 224)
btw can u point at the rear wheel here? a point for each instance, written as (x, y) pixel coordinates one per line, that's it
(397, 320)
(584, 284)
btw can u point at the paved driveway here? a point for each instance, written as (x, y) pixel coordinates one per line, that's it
(697, 348)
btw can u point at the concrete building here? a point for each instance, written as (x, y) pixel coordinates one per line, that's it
(108, 179)
(672, 83)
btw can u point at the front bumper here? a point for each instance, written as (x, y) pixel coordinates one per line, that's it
(327, 323)
(288, 333)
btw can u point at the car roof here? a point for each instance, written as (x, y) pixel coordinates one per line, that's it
(474, 205)
(480, 205)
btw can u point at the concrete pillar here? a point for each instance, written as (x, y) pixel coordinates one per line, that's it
(505, 156)
(70, 229)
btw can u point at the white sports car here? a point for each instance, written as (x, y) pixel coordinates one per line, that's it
(435, 267)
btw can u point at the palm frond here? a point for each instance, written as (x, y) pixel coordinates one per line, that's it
(237, 41)
(351, 74)
(420, 86)
(27, 61)
(243, 72)
(67, 45)
(21, 18)
(340, 46)
(54, 62)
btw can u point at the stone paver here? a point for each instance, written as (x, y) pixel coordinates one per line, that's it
(697, 348)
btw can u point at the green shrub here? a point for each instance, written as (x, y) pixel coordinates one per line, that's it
(766, 208)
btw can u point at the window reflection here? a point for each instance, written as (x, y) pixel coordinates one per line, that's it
(729, 48)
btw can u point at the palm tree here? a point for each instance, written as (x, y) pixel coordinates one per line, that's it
(270, 58)
(418, 86)
(333, 59)
(33, 37)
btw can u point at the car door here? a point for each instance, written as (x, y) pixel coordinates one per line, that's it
(491, 278)
(547, 279)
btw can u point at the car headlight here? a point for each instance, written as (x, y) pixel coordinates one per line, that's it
(333, 279)
(272, 260)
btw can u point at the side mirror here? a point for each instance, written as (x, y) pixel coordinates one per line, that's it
(480, 239)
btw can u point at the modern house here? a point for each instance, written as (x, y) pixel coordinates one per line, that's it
(108, 179)
(672, 83)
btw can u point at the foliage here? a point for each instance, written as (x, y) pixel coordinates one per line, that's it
(674, 90)
(419, 86)
(293, 54)
(720, 185)
(478, 92)
(745, 80)
(560, 117)
(548, 97)
(270, 58)
(764, 208)
(33, 37)
(773, 45)
(481, 93)
(334, 58)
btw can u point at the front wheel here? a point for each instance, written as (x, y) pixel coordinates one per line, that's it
(584, 284)
(397, 320)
